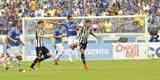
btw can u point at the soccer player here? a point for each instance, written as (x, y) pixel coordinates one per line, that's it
(58, 36)
(154, 37)
(41, 51)
(71, 33)
(14, 44)
(85, 31)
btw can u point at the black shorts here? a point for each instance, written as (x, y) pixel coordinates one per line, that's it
(42, 51)
(83, 45)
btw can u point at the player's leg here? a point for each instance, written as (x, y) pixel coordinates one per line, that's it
(10, 57)
(14, 53)
(42, 54)
(73, 51)
(76, 49)
(6, 56)
(45, 56)
(82, 51)
(7, 61)
(4, 60)
(73, 43)
(19, 62)
(45, 53)
(60, 49)
(40, 59)
(37, 59)
(71, 48)
(19, 58)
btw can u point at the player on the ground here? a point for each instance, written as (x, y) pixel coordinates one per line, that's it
(14, 44)
(85, 31)
(41, 51)
(71, 33)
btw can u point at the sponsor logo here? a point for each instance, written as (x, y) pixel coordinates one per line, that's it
(128, 50)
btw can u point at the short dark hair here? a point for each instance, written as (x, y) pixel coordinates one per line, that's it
(39, 22)
(14, 23)
(69, 16)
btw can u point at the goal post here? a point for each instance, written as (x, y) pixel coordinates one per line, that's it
(113, 30)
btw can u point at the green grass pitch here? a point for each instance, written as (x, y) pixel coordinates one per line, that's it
(99, 70)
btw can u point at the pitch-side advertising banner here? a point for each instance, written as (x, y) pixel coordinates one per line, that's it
(153, 50)
(129, 51)
(94, 51)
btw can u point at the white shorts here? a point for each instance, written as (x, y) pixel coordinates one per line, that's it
(72, 40)
(14, 51)
(59, 47)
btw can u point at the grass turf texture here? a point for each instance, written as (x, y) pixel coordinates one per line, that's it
(99, 70)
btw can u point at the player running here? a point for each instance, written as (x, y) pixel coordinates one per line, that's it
(14, 44)
(71, 33)
(85, 31)
(41, 51)
(58, 36)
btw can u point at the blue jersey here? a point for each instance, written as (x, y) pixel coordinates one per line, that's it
(15, 35)
(153, 10)
(71, 29)
(58, 32)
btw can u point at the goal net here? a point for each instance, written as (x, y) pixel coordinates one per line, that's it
(113, 30)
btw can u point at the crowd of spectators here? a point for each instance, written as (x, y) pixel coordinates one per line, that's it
(11, 10)
(61, 8)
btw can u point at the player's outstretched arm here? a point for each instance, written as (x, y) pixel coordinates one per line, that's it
(11, 39)
(94, 35)
(60, 36)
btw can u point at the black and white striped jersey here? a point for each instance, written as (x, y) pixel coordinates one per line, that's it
(39, 39)
(84, 34)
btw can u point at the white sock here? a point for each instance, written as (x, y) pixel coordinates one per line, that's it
(76, 53)
(18, 64)
(58, 55)
(6, 62)
(70, 55)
